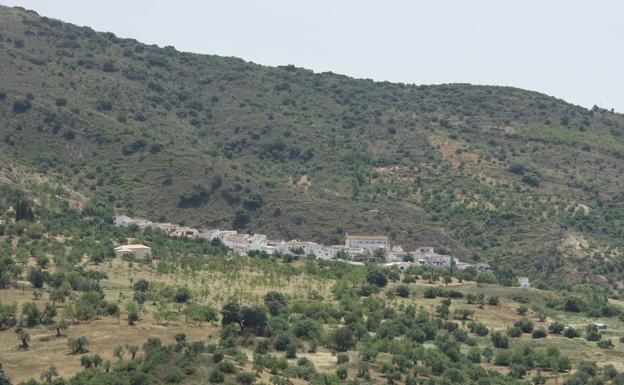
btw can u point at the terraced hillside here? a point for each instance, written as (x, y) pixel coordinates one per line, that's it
(520, 179)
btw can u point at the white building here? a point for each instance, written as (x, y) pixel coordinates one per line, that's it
(398, 265)
(462, 265)
(366, 242)
(524, 282)
(122, 220)
(185, 232)
(138, 251)
(166, 227)
(244, 243)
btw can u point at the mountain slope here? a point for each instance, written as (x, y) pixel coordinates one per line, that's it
(518, 178)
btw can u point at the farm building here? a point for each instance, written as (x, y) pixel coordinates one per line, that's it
(138, 251)
(366, 242)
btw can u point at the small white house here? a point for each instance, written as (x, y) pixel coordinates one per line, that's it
(366, 242)
(185, 232)
(138, 251)
(524, 282)
(398, 265)
(122, 220)
(166, 227)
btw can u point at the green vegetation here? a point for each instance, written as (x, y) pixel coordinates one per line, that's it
(93, 125)
(485, 173)
(380, 325)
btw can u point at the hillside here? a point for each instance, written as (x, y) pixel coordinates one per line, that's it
(520, 179)
(71, 312)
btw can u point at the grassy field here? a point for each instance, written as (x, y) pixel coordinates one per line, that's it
(249, 282)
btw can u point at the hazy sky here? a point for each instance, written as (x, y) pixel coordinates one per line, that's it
(571, 49)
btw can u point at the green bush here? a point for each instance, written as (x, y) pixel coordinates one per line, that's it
(556, 327)
(514, 332)
(342, 358)
(539, 333)
(216, 377)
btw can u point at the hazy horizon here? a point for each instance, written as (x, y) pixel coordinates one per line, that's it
(567, 49)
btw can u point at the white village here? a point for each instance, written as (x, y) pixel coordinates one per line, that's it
(357, 249)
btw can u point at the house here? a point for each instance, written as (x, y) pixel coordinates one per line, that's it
(396, 254)
(143, 223)
(258, 242)
(437, 260)
(354, 263)
(165, 227)
(297, 247)
(209, 234)
(524, 282)
(185, 232)
(322, 251)
(422, 251)
(122, 220)
(462, 265)
(366, 242)
(222, 234)
(138, 251)
(244, 243)
(398, 265)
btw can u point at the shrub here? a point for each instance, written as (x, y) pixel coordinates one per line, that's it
(133, 317)
(21, 106)
(531, 179)
(109, 66)
(539, 333)
(376, 277)
(275, 302)
(430, 292)
(217, 357)
(570, 332)
(499, 341)
(525, 325)
(480, 329)
(342, 373)
(141, 285)
(573, 304)
(174, 376)
(104, 105)
(503, 358)
(30, 314)
(342, 358)
(592, 333)
(514, 332)
(246, 378)
(556, 327)
(226, 367)
(343, 339)
(463, 314)
(78, 345)
(474, 354)
(216, 376)
(402, 291)
(605, 344)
